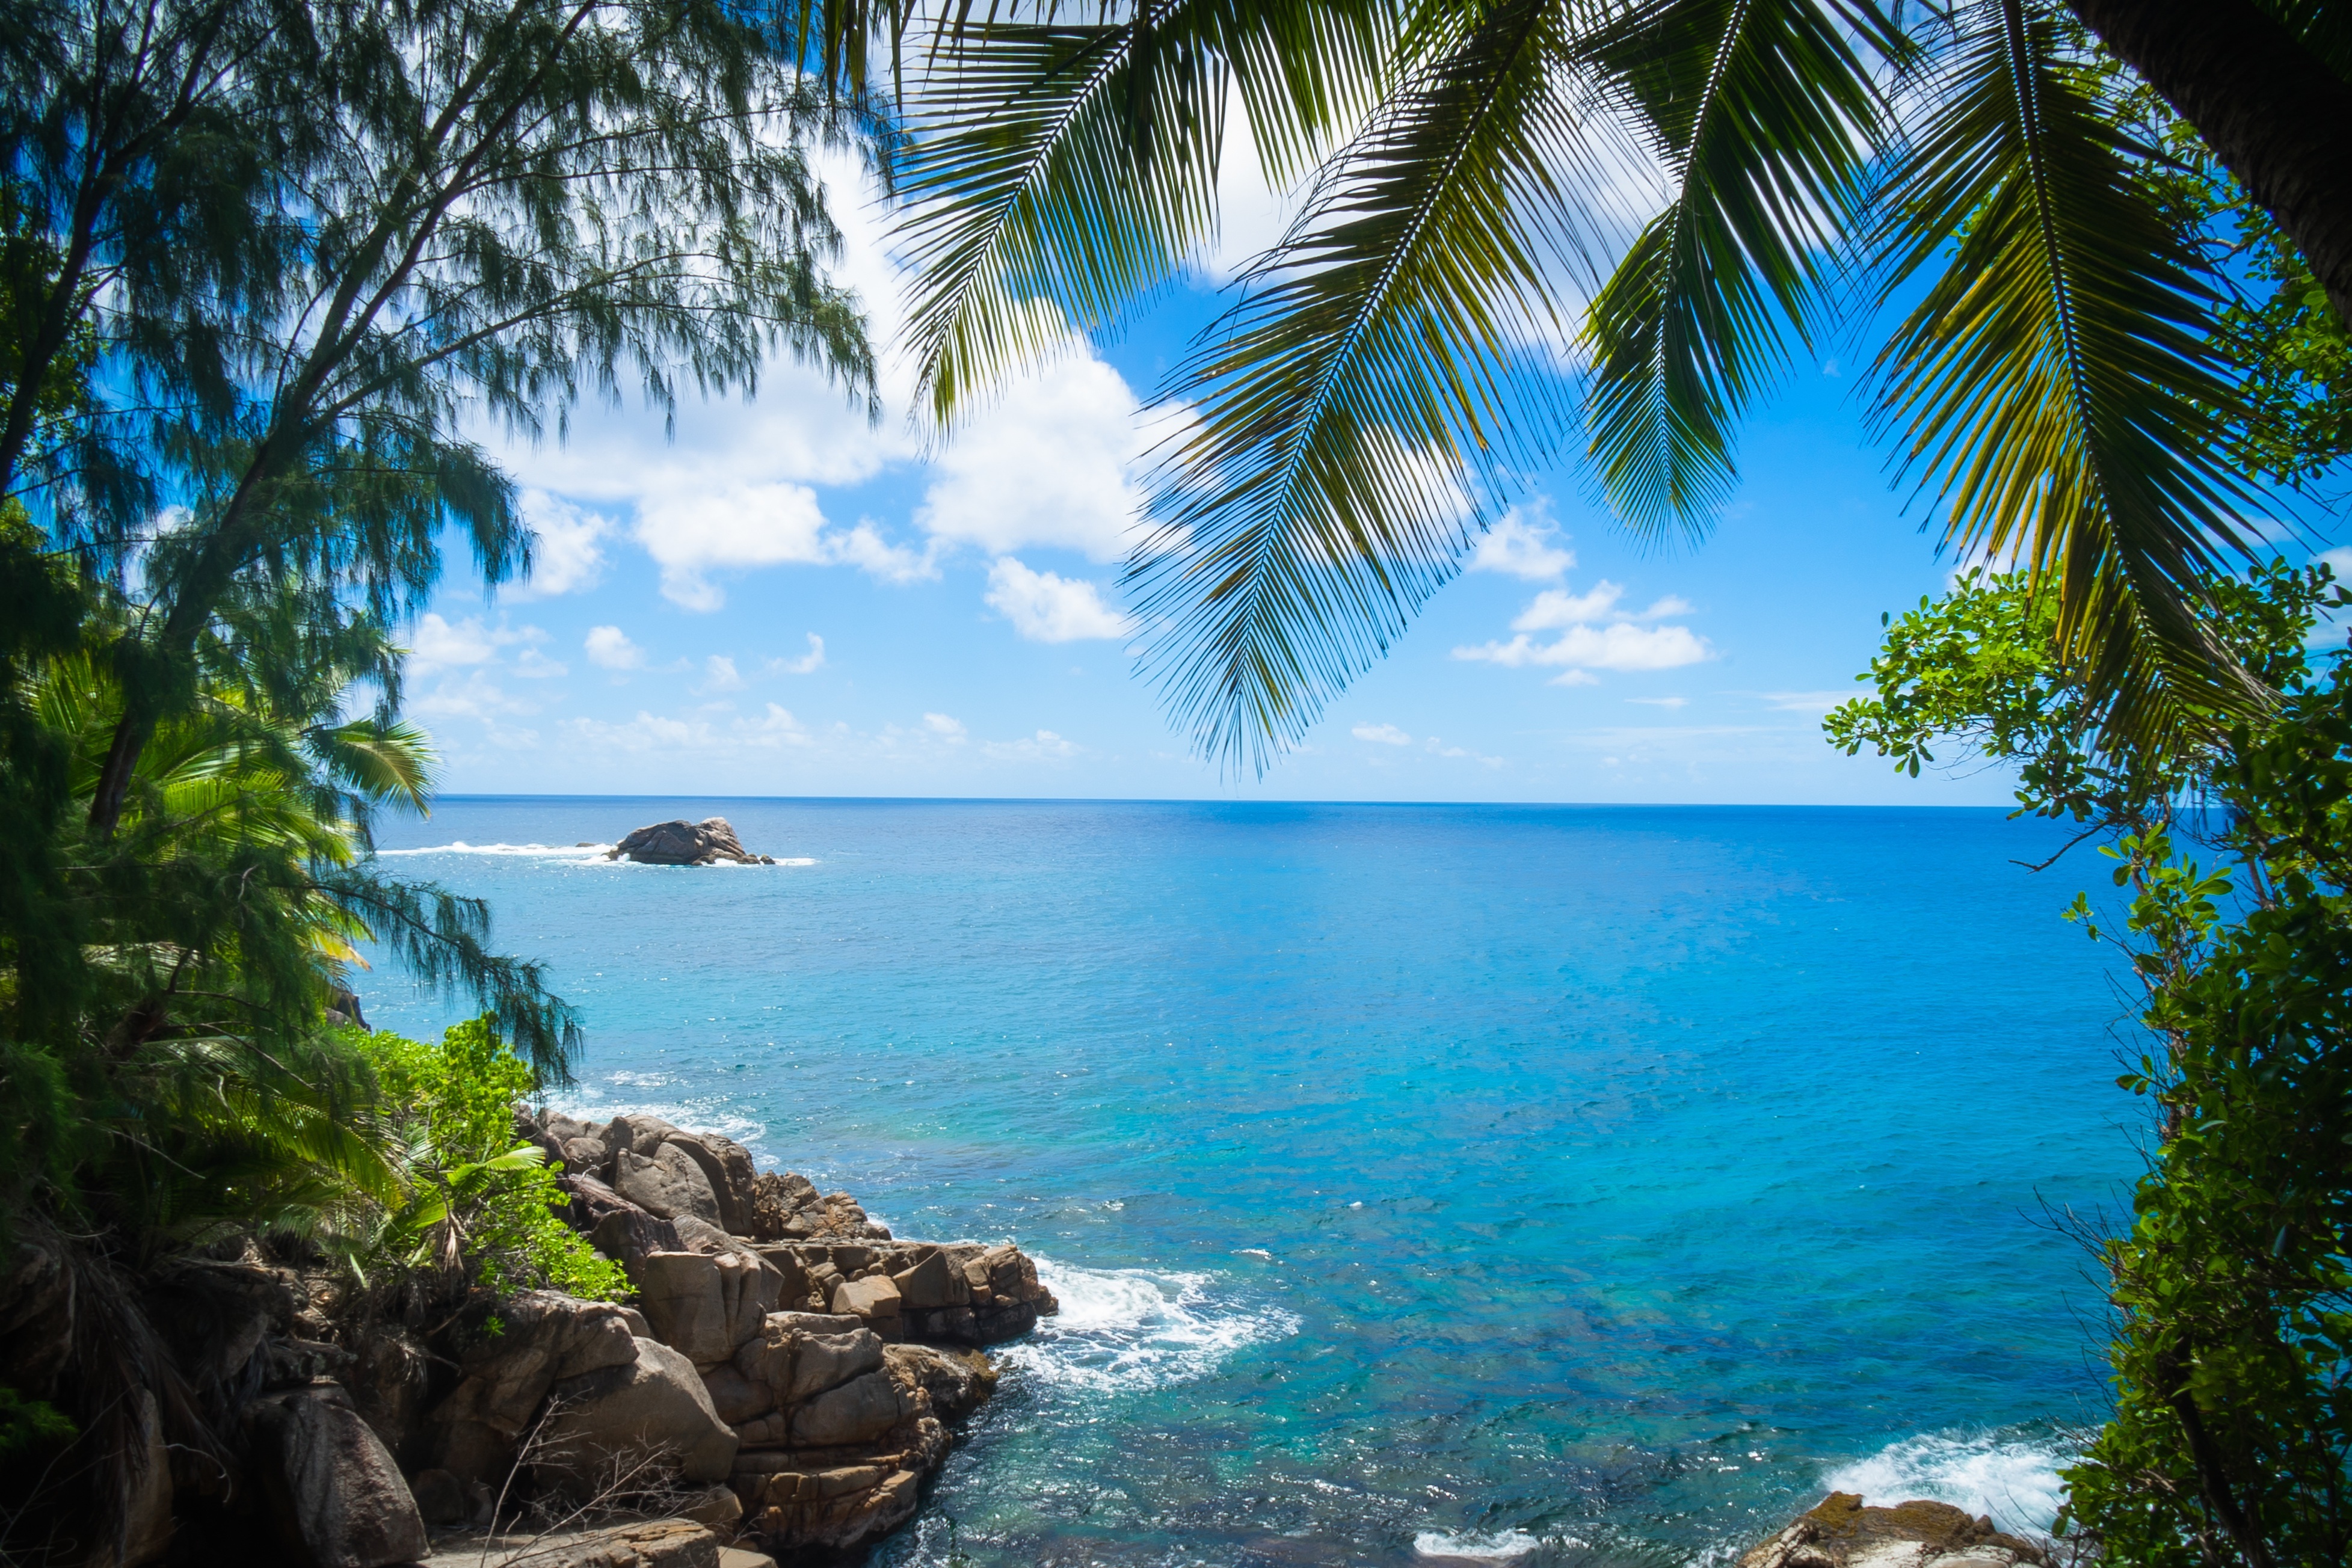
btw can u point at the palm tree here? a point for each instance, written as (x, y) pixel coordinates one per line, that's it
(1531, 222)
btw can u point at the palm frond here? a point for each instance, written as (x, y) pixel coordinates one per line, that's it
(1057, 169)
(1378, 366)
(1765, 113)
(2057, 385)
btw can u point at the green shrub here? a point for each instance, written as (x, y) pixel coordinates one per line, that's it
(476, 1200)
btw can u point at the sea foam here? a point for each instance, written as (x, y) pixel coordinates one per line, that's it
(1503, 1546)
(2012, 1476)
(1126, 1329)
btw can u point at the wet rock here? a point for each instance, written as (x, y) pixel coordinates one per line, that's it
(707, 843)
(958, 1381)
(653, 1412)
(1840, 1531)
(336, 1491)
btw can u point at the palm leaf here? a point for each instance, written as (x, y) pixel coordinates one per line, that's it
(1377, 366)
(1056, 171)
(2056, 386)
(1765, 114)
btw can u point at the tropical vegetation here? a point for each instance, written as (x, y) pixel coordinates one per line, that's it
(271, 273)
(2230, 1283)
(1527, 226)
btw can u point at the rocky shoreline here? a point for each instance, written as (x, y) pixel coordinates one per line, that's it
(1842, 1532)
(783, 1384)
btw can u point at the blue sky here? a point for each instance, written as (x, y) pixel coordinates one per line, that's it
(784, 600)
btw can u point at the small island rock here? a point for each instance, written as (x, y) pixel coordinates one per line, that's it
(707, 843)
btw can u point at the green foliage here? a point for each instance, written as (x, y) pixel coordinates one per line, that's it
(2230, 1441)
(474, 1201)
(30, 1427)
(1981, 673)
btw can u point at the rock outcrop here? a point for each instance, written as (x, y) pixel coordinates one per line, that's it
(784, 1379)
(1840, 1531)
(782, 1343)
(708, 842)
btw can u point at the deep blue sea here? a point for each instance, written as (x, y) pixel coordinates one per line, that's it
(1578, 1185)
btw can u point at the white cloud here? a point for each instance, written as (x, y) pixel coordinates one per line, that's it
(609, 648)
(864, 547)
(808, 663)
(1556, 607)
(567, 552)
(2339, 561)
(1661, 702)
(1044, 746)
(1594, 635)
(1048, 461)
(951, 730)
(532, 664)
(690, 536)
(720, 674)
(439, 644)
(1384, 734)
(1520, 545)
(475, 698)
(1621, 646)
(1046, 607)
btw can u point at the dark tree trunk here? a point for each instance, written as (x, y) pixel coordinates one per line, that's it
(2276, 116)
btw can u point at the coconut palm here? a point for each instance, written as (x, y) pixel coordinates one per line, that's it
(1532, 223)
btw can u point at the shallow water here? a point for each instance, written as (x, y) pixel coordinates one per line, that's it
(1565, 1184)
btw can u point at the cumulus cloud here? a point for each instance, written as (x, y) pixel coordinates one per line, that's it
(720, 674)
(1047, 462)
(567, 553)
(1046, 607)
(475, 698)
(609, 648)
(1661, 702)
(439, 644)
(949, 729)
(532, 664)
(808, 663)
(1520, 545)
(1383, 734)
(1594, 635)
(1620, 646)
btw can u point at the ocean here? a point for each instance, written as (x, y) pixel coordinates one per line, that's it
(1575, 1184)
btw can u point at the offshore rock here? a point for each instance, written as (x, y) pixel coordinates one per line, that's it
(707, 843)
(1839, 1531)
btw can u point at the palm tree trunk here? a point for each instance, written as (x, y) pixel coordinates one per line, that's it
(2273, 112)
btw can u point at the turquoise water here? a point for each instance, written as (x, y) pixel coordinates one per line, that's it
(1583, 1184)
